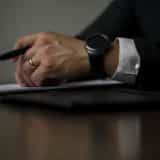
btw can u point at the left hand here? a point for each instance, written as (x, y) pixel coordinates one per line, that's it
(52, 56)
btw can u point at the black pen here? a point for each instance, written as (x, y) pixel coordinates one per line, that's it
(13, 53)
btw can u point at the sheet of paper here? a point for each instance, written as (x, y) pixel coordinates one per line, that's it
(13, 88)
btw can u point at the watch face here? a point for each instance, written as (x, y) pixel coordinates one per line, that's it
(98, 42)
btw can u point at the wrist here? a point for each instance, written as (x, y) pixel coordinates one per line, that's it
(96, 46)
(111, 59)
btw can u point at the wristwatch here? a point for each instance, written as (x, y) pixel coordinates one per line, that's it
(97, 46)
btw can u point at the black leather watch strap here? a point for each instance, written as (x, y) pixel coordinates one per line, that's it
(97, 47)
(97, 67)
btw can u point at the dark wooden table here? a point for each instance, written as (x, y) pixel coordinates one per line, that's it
(47, 135)
(34, 131)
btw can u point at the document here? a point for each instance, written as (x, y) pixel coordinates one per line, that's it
(15, 88)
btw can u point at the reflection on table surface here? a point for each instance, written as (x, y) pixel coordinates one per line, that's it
(48, 135)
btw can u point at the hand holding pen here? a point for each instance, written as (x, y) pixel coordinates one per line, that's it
(51, 57)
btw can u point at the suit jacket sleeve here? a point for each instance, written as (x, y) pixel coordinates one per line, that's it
(119, 20)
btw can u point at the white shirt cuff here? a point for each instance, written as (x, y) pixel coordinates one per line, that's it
(129, 61)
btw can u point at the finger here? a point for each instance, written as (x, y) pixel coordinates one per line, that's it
(36, 55)
(15, 59)
(47, 41)
(19, 74)
(31, 52)
(28, 81)
(44, 58)
(28, 69)
(25, 41)
(39, 49)
(21, 78)
(39, 75)
(40, 78)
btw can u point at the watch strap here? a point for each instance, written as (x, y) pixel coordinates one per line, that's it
(97, 67)
(97, 47)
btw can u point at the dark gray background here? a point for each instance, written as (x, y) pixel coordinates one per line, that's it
(18, 18)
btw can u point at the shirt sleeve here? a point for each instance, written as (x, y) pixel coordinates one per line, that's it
(129, 62)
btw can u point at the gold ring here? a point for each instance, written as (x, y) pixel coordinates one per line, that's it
(30, 61)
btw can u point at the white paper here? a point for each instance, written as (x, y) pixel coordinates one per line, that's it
(10, 88)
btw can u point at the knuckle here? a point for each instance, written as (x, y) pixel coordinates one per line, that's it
(43, 33)
(48, 64)
(29, 52)
(43, 40)
(19, 39)
(46, 50)
(18, 42)
(44, 36)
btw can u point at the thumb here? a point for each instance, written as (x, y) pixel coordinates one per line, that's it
(25, 41)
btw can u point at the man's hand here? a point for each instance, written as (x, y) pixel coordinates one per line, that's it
(52, 57)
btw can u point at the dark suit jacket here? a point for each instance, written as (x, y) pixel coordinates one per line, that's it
(139, 20)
